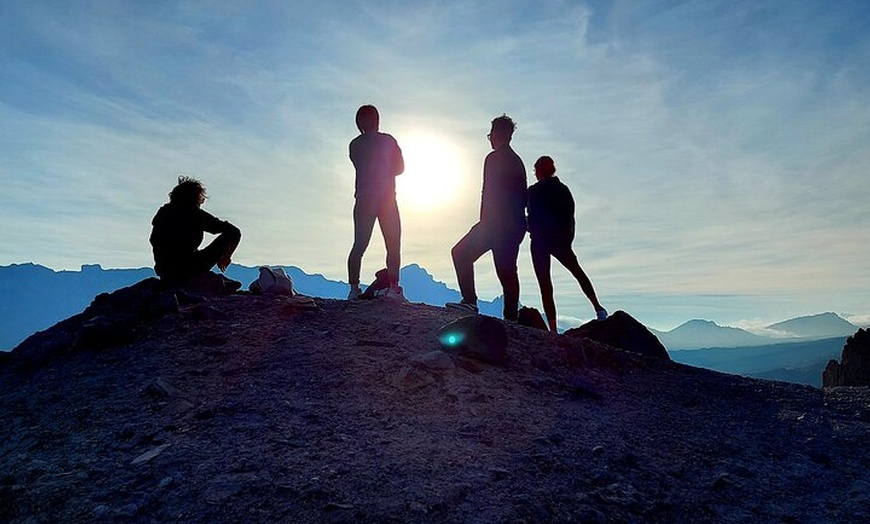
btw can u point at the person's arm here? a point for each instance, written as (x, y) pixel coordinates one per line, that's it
(226, 259)
(568, 203)
(217, 226)
(398, 159)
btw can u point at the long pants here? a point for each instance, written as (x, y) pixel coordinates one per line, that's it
(365, 211)
(561, 251)
(199, 262)
(505, 247)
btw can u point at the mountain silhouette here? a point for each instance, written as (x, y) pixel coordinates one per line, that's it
(698, 333)
(157, 407)
(816, 326)
(801, 362)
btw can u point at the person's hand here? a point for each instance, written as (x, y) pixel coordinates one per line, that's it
(224, 263)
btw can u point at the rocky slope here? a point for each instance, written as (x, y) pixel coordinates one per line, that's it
(237, 408)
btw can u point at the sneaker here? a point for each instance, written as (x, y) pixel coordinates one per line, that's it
(462, 306)
(354, 294)
(601, 314)
(394, 292)
(388, 291)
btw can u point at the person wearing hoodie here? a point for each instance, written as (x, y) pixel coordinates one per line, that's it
(551, 228)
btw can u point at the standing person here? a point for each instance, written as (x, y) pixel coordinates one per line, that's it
(177, 232)
(502, 223)
(377, 159)
(551, 226)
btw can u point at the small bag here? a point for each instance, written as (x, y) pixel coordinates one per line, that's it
(272, 281)
(381, 283)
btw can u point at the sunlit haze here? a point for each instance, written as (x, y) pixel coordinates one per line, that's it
(717, 150)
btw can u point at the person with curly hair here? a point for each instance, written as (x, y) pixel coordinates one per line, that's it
(178, 229)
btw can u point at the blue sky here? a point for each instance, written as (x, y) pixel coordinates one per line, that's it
(717, 150)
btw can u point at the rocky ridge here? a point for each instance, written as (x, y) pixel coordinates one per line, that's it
(854, 366)
(156, 407)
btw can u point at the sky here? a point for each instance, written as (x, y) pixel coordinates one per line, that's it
(717, 150)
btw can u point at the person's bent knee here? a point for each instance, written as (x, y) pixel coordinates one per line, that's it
(233, 235)
(456, 253)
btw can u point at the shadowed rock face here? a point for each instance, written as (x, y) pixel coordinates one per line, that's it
(479, 337)
(622, 331)
(854, 368)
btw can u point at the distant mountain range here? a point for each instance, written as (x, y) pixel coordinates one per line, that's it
(798, 362)
(697, 334)
(798, 354)
(816, 326)
(34, 297)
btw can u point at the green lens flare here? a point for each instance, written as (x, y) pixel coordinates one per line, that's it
(451, 339)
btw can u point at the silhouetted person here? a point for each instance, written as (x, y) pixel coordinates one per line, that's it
(177, 233)
(502, 224)
(377, 159)
(551, 226)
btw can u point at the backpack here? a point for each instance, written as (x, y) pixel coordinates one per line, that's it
(382, 282)
(272, 282)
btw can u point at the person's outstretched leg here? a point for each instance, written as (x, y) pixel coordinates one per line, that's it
(469, 248)
(364, 214)
(541, 263)
(505, 254)
(565, 255)
(391, 229)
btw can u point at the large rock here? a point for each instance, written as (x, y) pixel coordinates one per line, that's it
(531, 317)
(479, 337)
(112, 319)
(854, 368)
(622, 331)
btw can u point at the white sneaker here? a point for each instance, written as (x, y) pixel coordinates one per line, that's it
(462, 306)
(395, 293)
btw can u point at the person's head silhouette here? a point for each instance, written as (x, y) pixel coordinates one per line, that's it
(367, 119)
(188, 192)
(501, 132)
(544, 168)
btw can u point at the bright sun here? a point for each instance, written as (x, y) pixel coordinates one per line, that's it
(432, 174)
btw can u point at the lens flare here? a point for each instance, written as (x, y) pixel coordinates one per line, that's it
(451, 339)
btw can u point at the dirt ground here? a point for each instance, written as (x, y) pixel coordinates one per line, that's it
(242, 408)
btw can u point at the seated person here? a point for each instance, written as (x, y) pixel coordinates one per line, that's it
(177, 233)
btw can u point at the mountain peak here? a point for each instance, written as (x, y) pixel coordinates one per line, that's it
(699, 333)
(818, 326)
(698, 322)
(234, 408)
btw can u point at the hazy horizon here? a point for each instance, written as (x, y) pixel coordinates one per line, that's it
(717, 150)
(646, 309)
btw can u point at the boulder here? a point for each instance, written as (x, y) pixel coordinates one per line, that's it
(622, 331)
(479, 337)
(529, 316)
(854, 366)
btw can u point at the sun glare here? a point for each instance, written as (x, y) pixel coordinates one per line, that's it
(432, 174)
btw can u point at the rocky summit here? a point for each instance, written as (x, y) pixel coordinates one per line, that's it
(854, 368)
(161, 406)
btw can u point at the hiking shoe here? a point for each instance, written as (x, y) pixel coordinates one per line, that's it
(354, 294)
(394, 292)
(462, 306)
(601, 314)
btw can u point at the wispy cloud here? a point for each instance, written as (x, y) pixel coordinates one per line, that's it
(714, 148)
